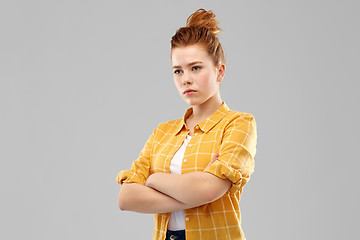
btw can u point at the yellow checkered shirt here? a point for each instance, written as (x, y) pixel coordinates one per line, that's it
(229, 133)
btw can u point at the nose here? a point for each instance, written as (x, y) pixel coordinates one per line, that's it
(186, 78)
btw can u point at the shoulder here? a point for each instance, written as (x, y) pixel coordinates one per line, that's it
(240, 127)
(239, 122)
(169, 126)
(240, 117)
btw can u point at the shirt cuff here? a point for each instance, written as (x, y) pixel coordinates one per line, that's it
(128, 176)
(223, 170)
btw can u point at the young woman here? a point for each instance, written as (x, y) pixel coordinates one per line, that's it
(192, 170)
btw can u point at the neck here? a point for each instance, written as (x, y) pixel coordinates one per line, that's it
(206, 109)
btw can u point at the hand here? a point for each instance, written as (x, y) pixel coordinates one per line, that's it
(213, 160)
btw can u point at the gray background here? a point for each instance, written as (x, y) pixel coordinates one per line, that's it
(83, 84)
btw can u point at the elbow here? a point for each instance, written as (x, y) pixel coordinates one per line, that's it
(122, 201)
(122, 208)
(121, 204)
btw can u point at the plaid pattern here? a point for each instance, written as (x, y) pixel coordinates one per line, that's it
(230, 133)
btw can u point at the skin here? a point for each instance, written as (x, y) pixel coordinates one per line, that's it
(139, 198)
(193, 69)
(144, 199)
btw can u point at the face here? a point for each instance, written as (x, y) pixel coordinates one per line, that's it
(196, 77)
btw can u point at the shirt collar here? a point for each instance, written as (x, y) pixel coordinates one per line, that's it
(206, 124)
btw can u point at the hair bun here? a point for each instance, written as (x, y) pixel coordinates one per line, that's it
(204, 19)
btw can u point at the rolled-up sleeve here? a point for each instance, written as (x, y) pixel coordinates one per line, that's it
(236, 155)
(139, 171)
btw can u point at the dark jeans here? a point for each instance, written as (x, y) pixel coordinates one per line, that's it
(175, 235)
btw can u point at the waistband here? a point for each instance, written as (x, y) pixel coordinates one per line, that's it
(175, 235)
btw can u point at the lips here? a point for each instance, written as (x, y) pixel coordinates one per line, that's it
(189, 91)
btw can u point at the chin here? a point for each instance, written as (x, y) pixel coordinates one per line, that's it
(193, 103)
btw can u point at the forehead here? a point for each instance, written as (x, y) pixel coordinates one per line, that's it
(181, 56)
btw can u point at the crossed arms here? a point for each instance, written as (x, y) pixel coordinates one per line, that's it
(164, 192)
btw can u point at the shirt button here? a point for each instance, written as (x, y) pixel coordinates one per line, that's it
(185, 160)
(189, 145)
(196, 134)
(187, 219)
(197, 127)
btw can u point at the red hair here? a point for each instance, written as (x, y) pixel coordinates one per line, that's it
(201, 28)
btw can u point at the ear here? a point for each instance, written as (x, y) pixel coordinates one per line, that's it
(220, 72)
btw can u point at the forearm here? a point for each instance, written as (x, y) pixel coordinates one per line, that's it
(139, 198)
(195, 188)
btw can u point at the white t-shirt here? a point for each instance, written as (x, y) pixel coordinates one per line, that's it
(177, 219)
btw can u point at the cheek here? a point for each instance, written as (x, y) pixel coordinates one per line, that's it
(205, 79)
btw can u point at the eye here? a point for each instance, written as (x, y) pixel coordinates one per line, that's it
(177, 71)
(196, 68)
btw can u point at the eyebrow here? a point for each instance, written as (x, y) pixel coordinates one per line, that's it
(192, 63)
